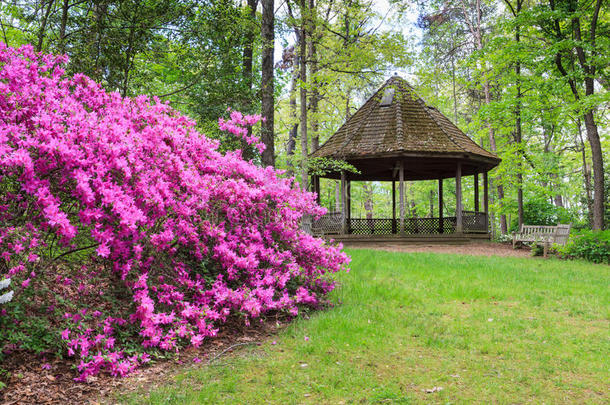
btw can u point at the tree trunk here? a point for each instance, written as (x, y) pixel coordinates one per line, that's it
(494, 149)
(518, 133)
(518, 130)
(586, 173)
(455, 114)
(315, 95)
(368, 200)
(43, 25)
(96, 37)
(337, 196)
(62, 28)
(598, 170)
(303, 93)
(130, 49)
(247, 56)
(293, 133)
(267, 83)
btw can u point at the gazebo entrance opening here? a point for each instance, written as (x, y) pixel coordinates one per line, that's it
(395, 137)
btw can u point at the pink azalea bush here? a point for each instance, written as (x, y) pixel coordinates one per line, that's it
(193, 237)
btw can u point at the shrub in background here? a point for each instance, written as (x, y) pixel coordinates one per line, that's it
(590, 245)
(126, 232)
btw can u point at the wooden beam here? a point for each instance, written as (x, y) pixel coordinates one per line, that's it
(393, 206)
(401, 191)
(349, 206)
(440, 206)
(315, 187)
(459, 228)
(343, 203)
(486, 200)
(476, 191)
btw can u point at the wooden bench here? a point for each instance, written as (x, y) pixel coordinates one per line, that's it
(546, 235)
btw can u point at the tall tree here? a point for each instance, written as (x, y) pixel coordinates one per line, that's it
(304, 32)
(581, 54)
(517, 134)
(267, 83)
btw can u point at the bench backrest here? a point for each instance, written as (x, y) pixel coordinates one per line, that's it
(538, 230)
(562, 234)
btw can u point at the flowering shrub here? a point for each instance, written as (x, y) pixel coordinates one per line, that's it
(151, 211)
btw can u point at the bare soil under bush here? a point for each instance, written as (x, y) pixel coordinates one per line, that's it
(473, 248)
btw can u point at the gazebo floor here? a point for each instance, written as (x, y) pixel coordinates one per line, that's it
(420, 238)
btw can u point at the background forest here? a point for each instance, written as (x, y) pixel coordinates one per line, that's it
(527, 80)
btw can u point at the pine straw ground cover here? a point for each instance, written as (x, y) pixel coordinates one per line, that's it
(413, 327)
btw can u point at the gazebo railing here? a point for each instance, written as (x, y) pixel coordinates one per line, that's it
(332, 224)
(372, 226)
(475, 222)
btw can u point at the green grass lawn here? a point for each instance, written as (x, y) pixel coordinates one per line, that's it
(486, 330)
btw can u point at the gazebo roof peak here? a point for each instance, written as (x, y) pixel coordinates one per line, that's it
(396, 121)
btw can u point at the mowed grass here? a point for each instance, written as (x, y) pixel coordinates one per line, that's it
(485, 330)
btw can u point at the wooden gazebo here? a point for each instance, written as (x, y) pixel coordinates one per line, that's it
(396, 137)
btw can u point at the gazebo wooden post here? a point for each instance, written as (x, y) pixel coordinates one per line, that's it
(476, 191)
(315, 187)
(459, 228)
(393, 207)
(441, 226)
(486, 200)
(349, 206)
(401, 191)
(343, 203)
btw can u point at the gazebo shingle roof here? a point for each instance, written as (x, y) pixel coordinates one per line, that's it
(405, 124)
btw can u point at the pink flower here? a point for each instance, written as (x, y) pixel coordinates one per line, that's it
(65, 334)
(103, 250)
(196, 340)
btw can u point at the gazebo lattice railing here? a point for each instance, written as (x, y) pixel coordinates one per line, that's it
(331, 224)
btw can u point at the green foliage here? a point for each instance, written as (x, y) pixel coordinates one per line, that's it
(537, 249)
(324, 166)
(589, 245)
(28, 330)
(542, 212)
(187, 52)
(35, 317)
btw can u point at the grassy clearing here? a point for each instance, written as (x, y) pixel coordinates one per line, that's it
(486, 330)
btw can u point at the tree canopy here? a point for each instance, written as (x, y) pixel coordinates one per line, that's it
(527, 80)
